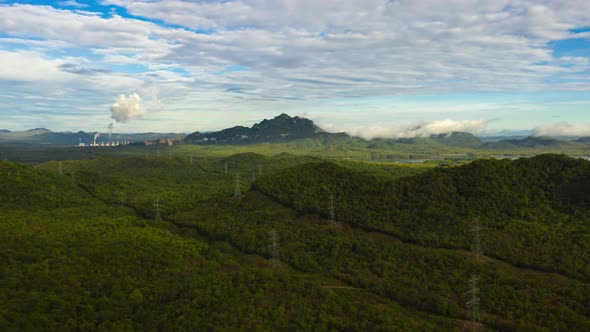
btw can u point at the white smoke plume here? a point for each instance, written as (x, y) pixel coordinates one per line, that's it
(426, 129)
(562, 129)
(95, 137)
(127, 108)
(110, 127)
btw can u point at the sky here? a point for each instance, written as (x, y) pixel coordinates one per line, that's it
(369, 67)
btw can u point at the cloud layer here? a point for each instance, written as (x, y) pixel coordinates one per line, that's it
(425, 129)
(210, 57)
(562, 129)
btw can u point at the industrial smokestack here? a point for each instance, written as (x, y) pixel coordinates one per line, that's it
(110, 128)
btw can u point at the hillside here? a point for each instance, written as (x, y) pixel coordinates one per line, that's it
(546, 197)
(396, 258)
(529, 142)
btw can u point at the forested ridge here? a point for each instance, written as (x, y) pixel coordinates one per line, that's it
(535, 211)
(83, 250)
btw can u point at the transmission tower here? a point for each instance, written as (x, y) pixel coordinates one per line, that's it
(225, 167)
(191, 159)
(274, 248)
(60, 170)
(170, 155)
(157, 217)
(237, 192)
(332, 214)
(253, 177)
(158, 152)
(476, 247)
(73, 177)
(473, 302)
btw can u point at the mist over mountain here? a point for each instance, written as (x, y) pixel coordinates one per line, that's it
(285, 128)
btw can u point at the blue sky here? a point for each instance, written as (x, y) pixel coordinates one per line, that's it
(369, 67)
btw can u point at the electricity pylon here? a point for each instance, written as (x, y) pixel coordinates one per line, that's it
(60, 170)
(157, 217)
(274, 248)
(332, 214)
(225, 167)
(73, 177)
(237, 192)
(473, 302)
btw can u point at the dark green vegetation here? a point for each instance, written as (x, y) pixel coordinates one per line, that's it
(81, 250)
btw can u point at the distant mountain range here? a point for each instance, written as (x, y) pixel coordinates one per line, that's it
(284, 128)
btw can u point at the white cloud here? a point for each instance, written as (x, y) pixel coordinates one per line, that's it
(425, 129)
(127, 108)
(562, 129)
(72, 3)
(80, 30)
(29, 66)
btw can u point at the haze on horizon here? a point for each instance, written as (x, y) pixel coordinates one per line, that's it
(361, 66)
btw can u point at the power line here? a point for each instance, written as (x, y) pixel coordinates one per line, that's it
(473, 293)
(476, 246)
(274, 248)
(157, 217)
(237, 192)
